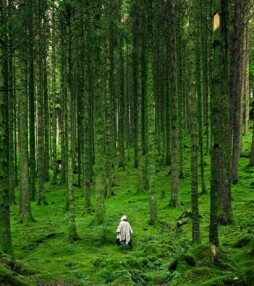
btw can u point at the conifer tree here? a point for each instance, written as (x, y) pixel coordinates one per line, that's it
(31, 89)
(11, 110)
(5, 233)
(41, 101)
(174, 199)
(220, 201)
(99, 119)
(69, 13)
(25, 208)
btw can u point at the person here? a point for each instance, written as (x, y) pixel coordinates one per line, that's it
(124, 232)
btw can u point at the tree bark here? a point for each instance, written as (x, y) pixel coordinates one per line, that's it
(5, 233)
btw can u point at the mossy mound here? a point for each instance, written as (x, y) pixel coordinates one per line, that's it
(243, 241)
(197, 268)
(13, 272)
(124, 280)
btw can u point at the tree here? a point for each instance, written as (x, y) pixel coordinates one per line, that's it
(88, 114)
(41, 101)
(31, 90)
(174, 199)
(110, 17)
(194, 104)
(151, 146)
(11, 110)
(136, 13)
(99, 56)
(25, 208)
(235, 86)
(5, 233)
(54, 97)
(63, 100)
(220, 124)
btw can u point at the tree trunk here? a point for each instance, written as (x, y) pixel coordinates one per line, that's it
(245, 73)
(11, 123)
(235, 87)
(63, 100)
(45, 119)
(151, 145)
(195, 94)
(73, 235)
(122, 108)
(54, 100)
(25, 209)
(5, 233)
(31, 88)
(221, 145)
(252, 148)
(174, 199)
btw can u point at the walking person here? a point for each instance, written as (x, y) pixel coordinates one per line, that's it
(124, 232)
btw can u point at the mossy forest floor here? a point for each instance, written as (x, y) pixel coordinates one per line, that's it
(162, 255)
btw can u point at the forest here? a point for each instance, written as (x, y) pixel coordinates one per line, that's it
(141, 108)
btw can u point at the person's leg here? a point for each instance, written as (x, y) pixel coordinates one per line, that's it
(123, 245)
(130, 244)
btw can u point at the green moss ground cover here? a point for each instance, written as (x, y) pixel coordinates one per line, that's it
(162, 255)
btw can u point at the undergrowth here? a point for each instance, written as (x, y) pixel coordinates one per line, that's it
(163, 254)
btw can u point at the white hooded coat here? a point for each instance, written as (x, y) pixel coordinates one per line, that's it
(124, 231)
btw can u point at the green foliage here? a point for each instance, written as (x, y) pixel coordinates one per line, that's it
(97, 260)
(14, 272)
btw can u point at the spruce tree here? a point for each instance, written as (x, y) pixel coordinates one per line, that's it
(5, 233)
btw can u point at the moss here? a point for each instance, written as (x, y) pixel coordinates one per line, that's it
(97, 259)
(196, 275)
(151, 249)
(132, 263)
(221, 281)
(198, 255)
(8, 277)
(245, 276)
(243, 241)
(124, 280)
(251, 251)
(190, 260)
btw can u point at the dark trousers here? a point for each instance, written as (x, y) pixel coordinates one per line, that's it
(123, 242)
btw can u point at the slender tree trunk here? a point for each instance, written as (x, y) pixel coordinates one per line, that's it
(88, 129)
(200, 111)
(206, 68)
(5, 233)
(31, 87)
(180, 85)
(252, 148)
(122, 108)
(174, 200)
(225, 210)
(45, 120)
(99, 123)
(41, 106)
(245, 66)
(235, 87)
(220, 167)
(73, 235)
(135, 27)
(151, 145)
(54, 99)
(110, 103)
(195, 122)
(25, 209)
(63, 107)
(11, 123)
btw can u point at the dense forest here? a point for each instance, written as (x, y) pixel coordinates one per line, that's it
(141, 108)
